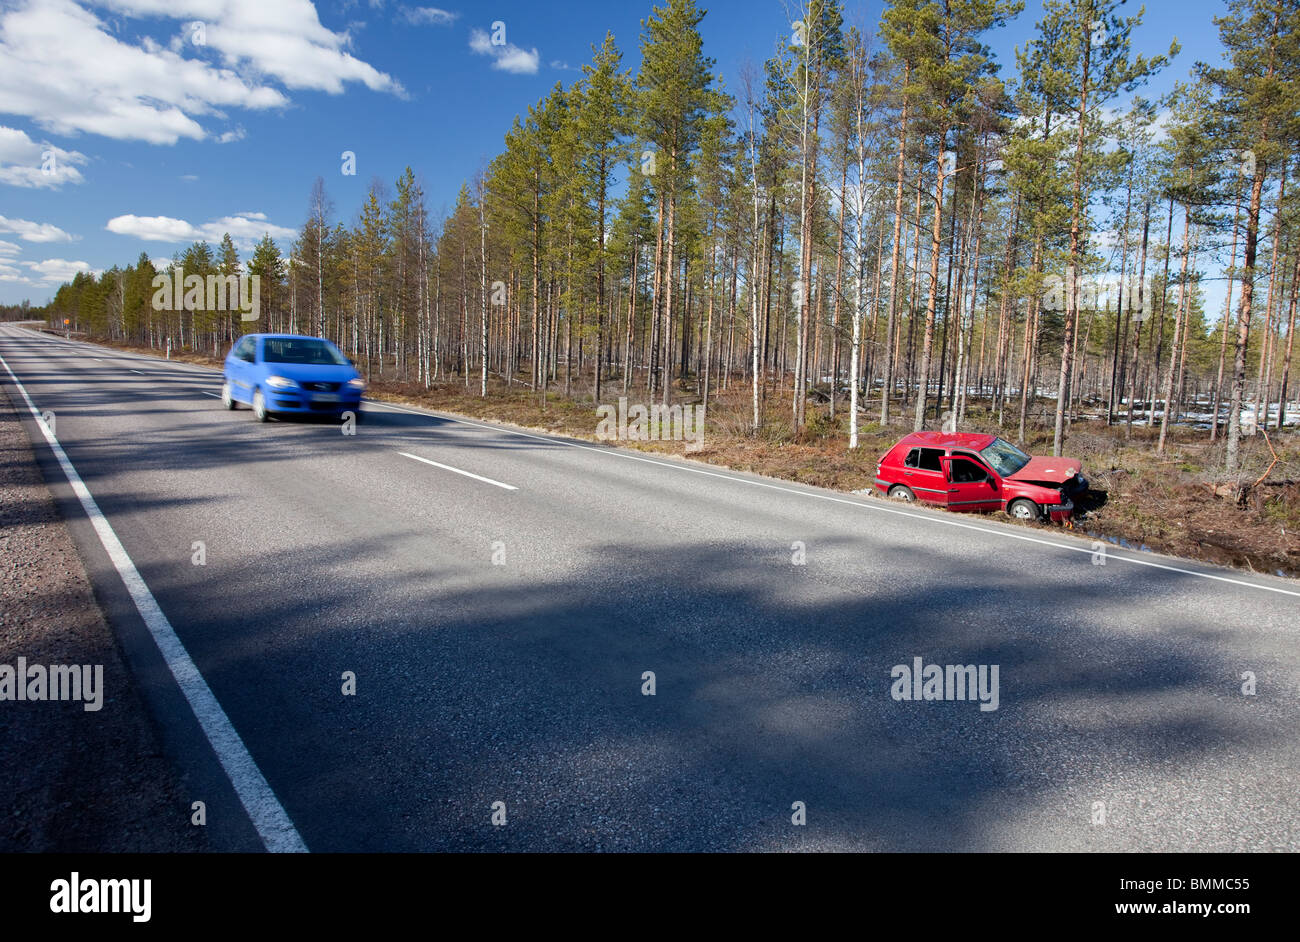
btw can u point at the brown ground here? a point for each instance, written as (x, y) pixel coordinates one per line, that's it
(1180, 503)
(74, 781)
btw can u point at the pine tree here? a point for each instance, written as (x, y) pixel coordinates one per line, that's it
(1191, 180)
(1258, 100)
(1092, 46)
(228, 266)
(270, 268)
(674, 85)
(817, 50)
(951, 61)
(602, 128)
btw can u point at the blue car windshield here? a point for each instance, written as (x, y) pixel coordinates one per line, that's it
(298, 350)
(1004, 457)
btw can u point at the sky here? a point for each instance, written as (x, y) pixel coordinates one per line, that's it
(131, 126)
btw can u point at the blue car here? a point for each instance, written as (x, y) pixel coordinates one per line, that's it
(289, 373)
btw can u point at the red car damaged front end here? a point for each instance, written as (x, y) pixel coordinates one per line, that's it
(1053, 483)
(974, 473)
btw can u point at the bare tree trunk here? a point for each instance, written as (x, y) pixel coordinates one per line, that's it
(1002, 355)
(1263, 378)
(1140, 317)
(708, 330)
(1031, 339)
(1290, 342)
(667, 329)
(1178, 327)
(1121, 320)
(893, 261)
(631, 315)
(1243, 320)
(537, 284)
(963, 343)
(1217, 399)
(936, 244)
(483, 299)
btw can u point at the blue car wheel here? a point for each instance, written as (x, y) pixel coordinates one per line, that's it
(259, 406)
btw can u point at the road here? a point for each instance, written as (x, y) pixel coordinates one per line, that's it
(499, 636)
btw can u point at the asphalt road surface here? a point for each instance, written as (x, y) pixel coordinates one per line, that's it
(500, 607)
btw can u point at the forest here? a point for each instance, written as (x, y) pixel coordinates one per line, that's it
(880, 223)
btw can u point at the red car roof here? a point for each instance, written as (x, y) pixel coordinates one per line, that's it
(972, 440)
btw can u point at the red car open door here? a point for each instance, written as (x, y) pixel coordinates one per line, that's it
(970, 486)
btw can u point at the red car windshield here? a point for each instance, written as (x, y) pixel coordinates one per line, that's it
(1005, 458)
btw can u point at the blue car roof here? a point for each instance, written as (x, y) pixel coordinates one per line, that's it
(291, 337)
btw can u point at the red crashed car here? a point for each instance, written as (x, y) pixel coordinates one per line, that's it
(968, 472)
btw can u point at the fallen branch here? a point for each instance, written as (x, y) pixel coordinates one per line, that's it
(1271, 466)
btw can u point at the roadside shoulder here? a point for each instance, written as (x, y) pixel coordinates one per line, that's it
(78, 779)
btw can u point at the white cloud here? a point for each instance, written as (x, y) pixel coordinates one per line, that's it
(229, 137)
(71, 72)
(506, 57)
(51, 271)
(284, 39)
(26, 163)
(517, 60)
(246, 229)
(65, 71)
(9, 248)
(153, 228)
(55, 270)
(35, 231)
(428, 16)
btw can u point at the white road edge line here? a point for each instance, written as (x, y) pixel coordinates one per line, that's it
(840, 500)
(212, 394)
(447, 467)
(264, 809)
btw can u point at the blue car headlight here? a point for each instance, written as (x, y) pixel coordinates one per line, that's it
(279, 382)
(357, 383)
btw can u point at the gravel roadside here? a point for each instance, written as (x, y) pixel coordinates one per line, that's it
(74, 780)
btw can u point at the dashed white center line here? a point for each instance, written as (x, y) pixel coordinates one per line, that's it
(212, 394)
(878, 506)
(447, 467)
(141, 372)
